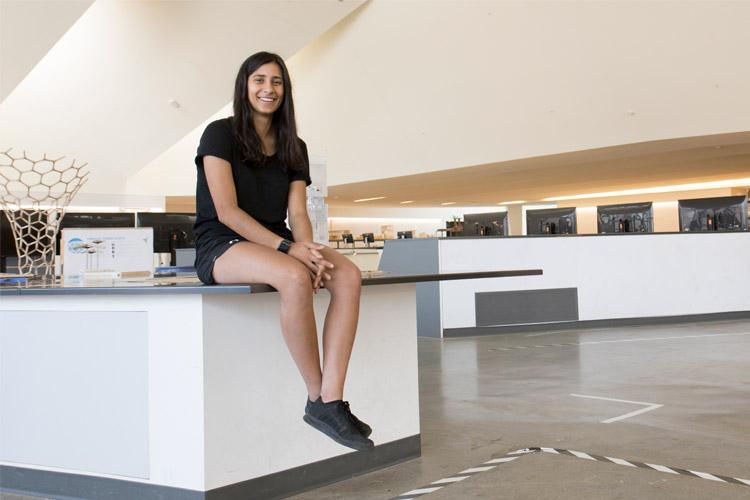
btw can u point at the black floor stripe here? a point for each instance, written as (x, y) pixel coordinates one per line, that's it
(686, 472)
(730, 479)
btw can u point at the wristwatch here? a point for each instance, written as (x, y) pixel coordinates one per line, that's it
(284, 246)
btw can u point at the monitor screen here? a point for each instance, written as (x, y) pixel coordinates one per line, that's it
(171, 230)
(486, 224)
(725, 213)
(551, 221)
(625, 218)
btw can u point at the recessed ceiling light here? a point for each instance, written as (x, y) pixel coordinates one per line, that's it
(661, 189)
(370, 199)
(515, 202)
(449, 203)
(407, 201)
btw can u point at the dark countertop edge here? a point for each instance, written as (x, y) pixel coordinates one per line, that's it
(458, 238)
(255, 288)
(420, 278)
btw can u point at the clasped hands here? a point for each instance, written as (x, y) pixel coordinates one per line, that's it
(309, 254)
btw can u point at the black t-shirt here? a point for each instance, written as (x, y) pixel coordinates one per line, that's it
(262, 190)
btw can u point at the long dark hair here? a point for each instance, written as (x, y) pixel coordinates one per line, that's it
(288, 146)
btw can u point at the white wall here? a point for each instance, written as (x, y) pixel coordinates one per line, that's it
(406, 87)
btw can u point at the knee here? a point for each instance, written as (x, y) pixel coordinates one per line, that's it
(295, 280)
(348, 279)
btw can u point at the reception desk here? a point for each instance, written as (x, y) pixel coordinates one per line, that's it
(188, 391)
(589, 280)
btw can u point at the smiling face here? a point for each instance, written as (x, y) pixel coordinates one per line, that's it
(265, 89)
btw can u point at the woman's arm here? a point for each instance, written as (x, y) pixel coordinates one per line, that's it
(298, 218)
(224, 195)
(302, 231)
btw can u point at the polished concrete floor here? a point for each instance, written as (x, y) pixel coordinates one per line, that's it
(483, 397)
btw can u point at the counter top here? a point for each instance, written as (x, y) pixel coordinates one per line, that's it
(585, 235)
(167, 287)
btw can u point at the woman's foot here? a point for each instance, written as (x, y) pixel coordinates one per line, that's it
(365, 429)
(336, 421)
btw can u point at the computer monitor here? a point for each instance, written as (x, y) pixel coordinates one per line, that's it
(171, 230)
(724, 213)
(403, 235)
(348, 238)
(625, 218)
(7, 241)
(69, 220)
(551, 221)
(486, 224)
(368, 237)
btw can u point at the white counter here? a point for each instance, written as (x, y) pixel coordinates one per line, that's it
(606, 278)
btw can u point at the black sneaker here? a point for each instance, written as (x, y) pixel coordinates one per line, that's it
(365, 429)
(335, 421)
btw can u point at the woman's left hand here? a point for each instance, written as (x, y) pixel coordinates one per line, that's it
(315, 261)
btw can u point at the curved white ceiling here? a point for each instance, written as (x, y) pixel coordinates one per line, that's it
(102, 94)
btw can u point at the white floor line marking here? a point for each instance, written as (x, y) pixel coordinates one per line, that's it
(659, 468)
(422, 491)
(500, 460)
(662, 468)
(523, 451)
(649, 407)
(477, 469)
(581, 454)
(663, 338)
(510, 456)
(620, 461)
(594, 342)
(706, 475)
(449, 480)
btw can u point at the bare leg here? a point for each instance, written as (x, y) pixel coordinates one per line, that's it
(247, 262)
(340, 324)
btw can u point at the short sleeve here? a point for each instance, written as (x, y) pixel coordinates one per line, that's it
(302, 174)
(216, 141)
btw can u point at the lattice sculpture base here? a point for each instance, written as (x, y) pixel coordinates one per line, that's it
(34, 194)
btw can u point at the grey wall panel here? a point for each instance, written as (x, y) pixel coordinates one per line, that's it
(428, 310)
(417, 256)
(526, 306)
(74, 390)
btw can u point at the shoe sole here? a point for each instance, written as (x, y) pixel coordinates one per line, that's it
(325, 429)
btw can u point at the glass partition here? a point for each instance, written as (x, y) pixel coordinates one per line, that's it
(625, 218)
(726, 213)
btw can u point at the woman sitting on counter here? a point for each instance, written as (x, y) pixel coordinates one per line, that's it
(252, 170)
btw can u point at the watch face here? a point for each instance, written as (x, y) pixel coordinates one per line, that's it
(284, 246)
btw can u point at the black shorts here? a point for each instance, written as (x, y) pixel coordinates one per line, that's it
(206, 252)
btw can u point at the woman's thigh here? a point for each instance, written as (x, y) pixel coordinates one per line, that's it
(247, 262)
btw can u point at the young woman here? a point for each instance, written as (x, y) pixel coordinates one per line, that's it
(252, 171)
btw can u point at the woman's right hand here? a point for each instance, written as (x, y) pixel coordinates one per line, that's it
(309, 254)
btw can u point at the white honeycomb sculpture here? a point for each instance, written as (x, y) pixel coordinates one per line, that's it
(34, 194)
